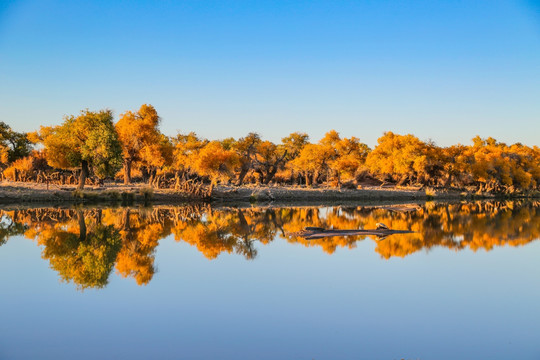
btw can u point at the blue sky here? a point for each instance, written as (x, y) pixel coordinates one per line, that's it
(445, 70)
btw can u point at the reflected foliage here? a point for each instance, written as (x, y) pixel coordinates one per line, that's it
(77, 244)
(84, 245)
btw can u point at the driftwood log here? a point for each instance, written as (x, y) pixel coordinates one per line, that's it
(312, 233)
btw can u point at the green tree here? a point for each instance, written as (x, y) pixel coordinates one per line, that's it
(86, 141)
(13, 145)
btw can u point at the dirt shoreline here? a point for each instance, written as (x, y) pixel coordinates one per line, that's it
(16, 193)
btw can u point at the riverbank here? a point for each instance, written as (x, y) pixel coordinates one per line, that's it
(20, 192)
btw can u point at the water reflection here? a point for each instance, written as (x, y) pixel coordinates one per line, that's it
(84, 245)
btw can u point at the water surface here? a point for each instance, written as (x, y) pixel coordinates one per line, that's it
(204, 283)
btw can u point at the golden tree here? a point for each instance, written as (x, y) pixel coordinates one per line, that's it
(400, 157)
(293, 144)
(142, 142)
(331, 157)
(495, 166)
(312, 161)
(186, 150)
(352, 155)
(268, 159)
(246, 149)
(215, 162)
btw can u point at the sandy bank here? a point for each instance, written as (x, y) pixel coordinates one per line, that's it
(16, 192)
(280, 194)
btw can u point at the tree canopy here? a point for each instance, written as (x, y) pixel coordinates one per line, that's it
(142, 142)
(86, 141)
(91, 143)
(13, 145)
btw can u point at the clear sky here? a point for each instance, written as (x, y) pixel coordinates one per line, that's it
(442, 70)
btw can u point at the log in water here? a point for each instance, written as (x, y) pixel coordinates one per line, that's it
(311, 233)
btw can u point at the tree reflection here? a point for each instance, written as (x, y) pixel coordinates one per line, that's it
(140, 235)
(229, 231)
(84, 245)
(80, 252)
(9, 228)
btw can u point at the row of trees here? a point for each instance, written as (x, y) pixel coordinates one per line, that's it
(135, 149)
(85, 245)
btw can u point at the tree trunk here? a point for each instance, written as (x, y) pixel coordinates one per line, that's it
(243, 222)
(157, 181)
(127, 172)
(270, 175)
(403, 180)
(315, 178)
(293, 179)
(448, 181)
(176, 180)
(82, 225)
(84, 174)
(125, 220)
(144, 172)
(99, 216)
(152, 173)
(241, 176)
(261, 177)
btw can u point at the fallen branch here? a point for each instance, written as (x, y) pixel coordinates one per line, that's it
(311, 233)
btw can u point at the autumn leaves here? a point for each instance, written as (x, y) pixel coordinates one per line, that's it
(487, 165)
(142, 142)
(85, 245)
(134, 149)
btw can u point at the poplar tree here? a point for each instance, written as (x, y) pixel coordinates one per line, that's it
(85, 141)
(141, 140)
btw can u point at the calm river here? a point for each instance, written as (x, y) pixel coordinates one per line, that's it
(224, 283)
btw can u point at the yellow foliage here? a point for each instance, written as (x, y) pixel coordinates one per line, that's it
(142, 142)
(22, 166)
(215, 162)
(332, 156)
(186, 150)
(83, 246)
